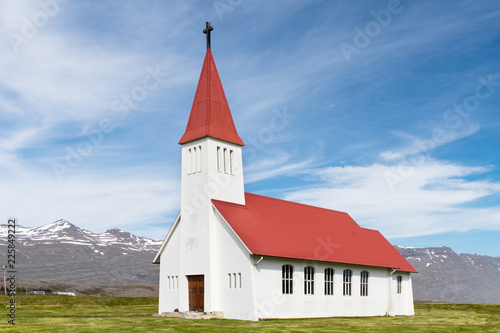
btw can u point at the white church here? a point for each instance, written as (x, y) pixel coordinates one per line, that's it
(247, 256)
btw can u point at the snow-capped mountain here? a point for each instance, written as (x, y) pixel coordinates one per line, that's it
(63, 252)
(445, 276)
(62, 231)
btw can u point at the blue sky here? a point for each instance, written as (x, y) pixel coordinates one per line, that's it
(388, 110)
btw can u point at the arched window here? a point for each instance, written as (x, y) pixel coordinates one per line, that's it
(287, 279)
(364, 283)
(400, 281)
(329, 272)
(309, 280)
(347, 282)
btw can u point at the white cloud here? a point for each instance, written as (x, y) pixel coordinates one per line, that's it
(124, 200)
(18, 139)
(439, 136)
(275, 167)
(428, 199)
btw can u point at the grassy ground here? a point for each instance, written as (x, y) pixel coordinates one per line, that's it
(133, 314)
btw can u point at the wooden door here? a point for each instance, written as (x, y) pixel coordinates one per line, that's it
(196, 285)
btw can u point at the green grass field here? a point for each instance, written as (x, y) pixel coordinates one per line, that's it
(133, 314)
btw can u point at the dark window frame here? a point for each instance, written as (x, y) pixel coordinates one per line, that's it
(329, 278)
(309, 280)
(287, 279)
(363, 288)
(399, 280)
(347, 282)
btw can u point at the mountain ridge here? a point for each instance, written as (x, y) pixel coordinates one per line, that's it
(445, 276)
(64, 253)
(62, 230)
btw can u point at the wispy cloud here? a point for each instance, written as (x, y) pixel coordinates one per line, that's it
(98, 203)
(426, 146)
(437, 197)
(281, 166)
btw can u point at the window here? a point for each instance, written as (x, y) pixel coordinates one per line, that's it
(347, 282)
(225, 160)
(231, 162)
(329, 281)
(194, 157)
(193, 160)
(199, 159)
(234, 280)
(309, 280)
(400, 282)
(226, 166)
(219, 160)
(173, 282)
(364, 283)
(287, 279)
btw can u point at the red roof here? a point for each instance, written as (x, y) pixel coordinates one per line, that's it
(279, 228)
(210, 114)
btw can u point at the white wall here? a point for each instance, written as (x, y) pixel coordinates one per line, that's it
(226, 186)
(401, 304)
(169, 266)
(197, 188)
(232, 258)
(271, 303)
(199, 185)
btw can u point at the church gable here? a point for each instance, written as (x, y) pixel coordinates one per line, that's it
(230, 232)
(167, 239)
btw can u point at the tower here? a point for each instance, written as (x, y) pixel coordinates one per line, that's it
(211, 146)
(211, 169)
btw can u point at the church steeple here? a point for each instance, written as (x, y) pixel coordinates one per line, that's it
(212, 163)
(210, 114)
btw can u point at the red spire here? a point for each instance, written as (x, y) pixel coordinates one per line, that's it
(210, 114)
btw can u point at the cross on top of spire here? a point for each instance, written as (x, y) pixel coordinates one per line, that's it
(210, 114)
(206, 31)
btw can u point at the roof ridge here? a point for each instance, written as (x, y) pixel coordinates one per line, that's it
(228, 203)
(209, 79)
(298, 203)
